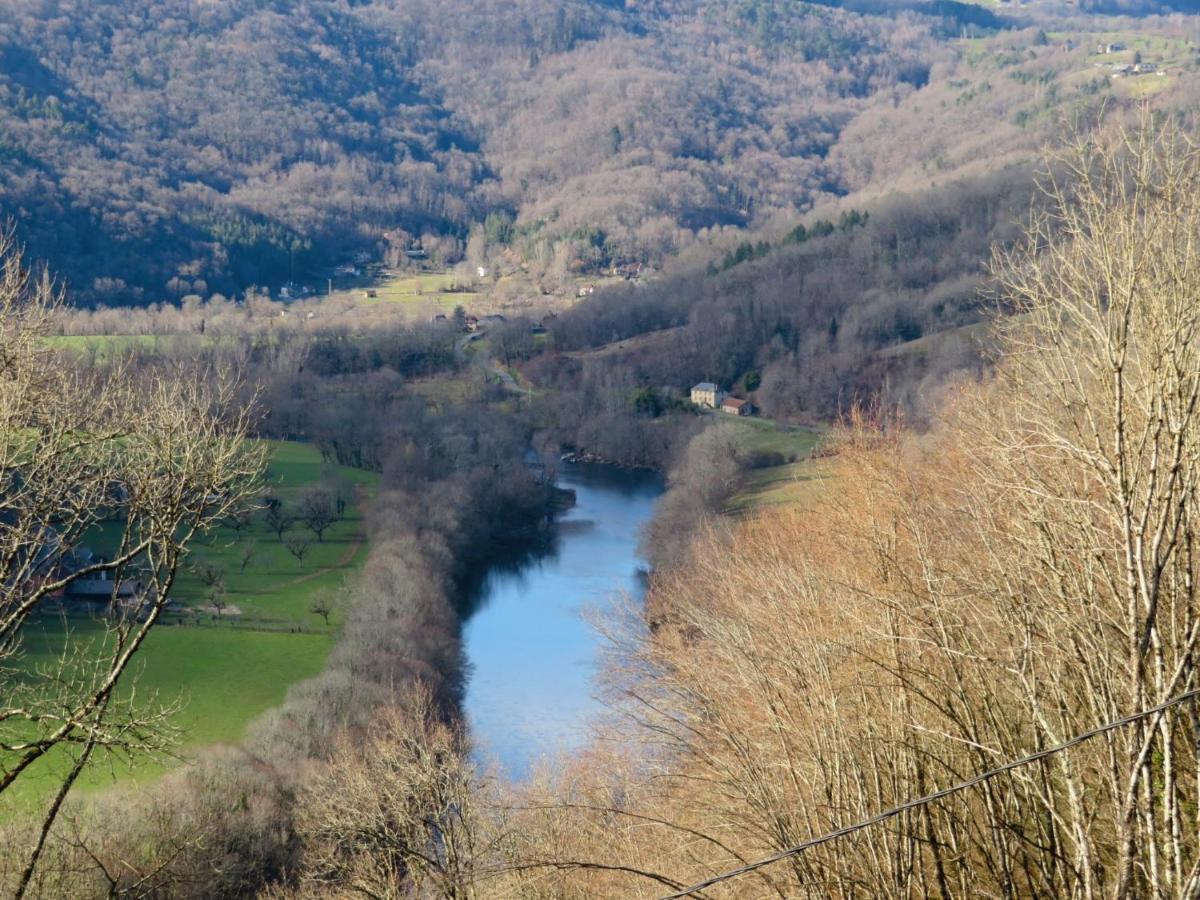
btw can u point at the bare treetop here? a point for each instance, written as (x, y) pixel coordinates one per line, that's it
(163, 453)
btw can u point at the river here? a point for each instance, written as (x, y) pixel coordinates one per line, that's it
(532, 652)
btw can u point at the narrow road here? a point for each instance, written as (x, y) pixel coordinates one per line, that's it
(486, 362)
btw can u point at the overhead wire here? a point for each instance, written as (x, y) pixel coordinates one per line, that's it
(933, 797)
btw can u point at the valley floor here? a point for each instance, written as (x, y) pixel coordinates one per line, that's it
(222, 671)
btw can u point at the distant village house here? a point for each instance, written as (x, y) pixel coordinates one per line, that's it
(102, 588)
(706, 394)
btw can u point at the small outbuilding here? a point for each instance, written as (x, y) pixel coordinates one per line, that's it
(736, 406)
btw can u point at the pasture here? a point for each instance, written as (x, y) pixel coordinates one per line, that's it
(786, 482)
(422, 295)
(224, 669)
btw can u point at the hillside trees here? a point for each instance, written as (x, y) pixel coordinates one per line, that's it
(161, 453)
(1116, 268)
(453, 488)
(824, 319)
(398, 811)
(318, 510)
(1021, 575)
(157, 150)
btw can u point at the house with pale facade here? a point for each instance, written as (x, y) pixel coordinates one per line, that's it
(707, 394)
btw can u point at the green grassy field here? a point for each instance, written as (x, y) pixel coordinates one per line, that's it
(423, 294)
(105, 346)
(275, 589)
(219, 677)
(764, 435)
(224, 671)
(773, 485)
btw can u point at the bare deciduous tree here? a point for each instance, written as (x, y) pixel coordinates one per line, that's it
(318, 510)
(210, 573)
(322, 605)
(277, 517)
(164, 453)
(218, 600)
(246, 554)
(298, 547)
(240, 520)
(1020, 576)
(402, 807)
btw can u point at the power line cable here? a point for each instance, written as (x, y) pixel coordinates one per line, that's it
(936, 795)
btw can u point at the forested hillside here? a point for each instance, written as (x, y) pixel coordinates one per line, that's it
(179, 148)
(825, 316)
(153, 150)
(908, 602)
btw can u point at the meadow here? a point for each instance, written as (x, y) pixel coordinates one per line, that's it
(778, 484)
(223, 670)
(423, 295)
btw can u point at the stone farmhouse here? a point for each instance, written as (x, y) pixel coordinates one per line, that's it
(707, 394)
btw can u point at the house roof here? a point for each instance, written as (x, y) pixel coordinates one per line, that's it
(101, 587)
(704, 386)
(734, 402)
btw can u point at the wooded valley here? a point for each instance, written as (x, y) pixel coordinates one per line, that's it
(155, 151)
(308, 311)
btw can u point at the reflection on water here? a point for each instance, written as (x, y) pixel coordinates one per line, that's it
(533, 656)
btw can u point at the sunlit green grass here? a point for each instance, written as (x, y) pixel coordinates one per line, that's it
(766, 436)
(275, 589)
(781, 484)
(426, 292)
(777, 486)
(224, 671)
(219, 677)
(104, 346)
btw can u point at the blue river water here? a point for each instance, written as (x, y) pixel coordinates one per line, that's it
(533, 653)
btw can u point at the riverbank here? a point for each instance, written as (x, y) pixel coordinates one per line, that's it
(234, 809)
